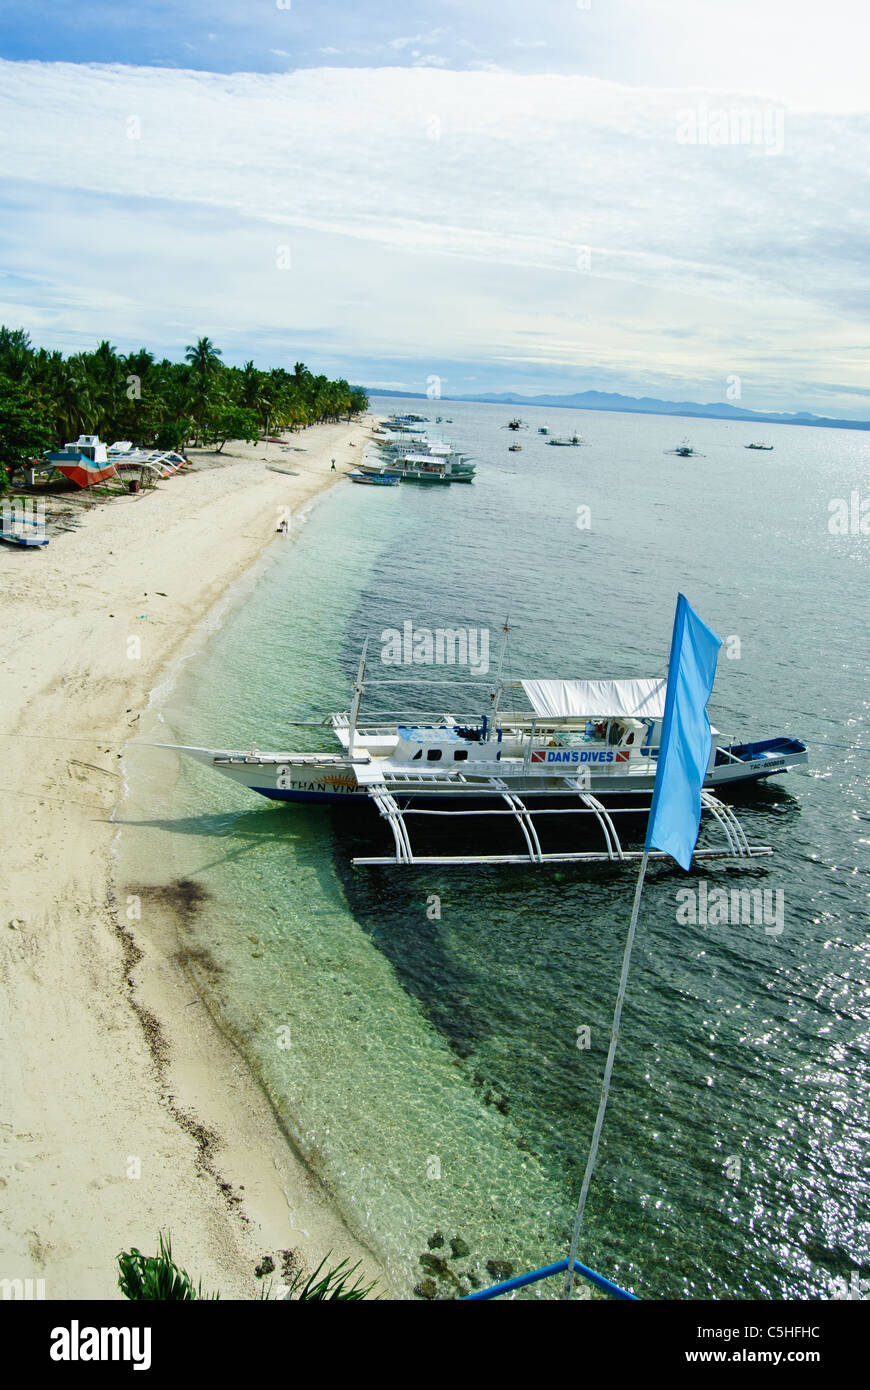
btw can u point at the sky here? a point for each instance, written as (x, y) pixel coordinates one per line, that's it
(664, 199)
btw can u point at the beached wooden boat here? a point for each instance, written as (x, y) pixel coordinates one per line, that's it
(25, 534)
(85, 462)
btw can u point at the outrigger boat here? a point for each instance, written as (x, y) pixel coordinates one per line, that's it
(86, 461)
(572, 442)
(398, 427)
(378, 479)
(434, 449)
(586, 747)
(765, 447)
(685, 450)
(26, 532)
(420, 468)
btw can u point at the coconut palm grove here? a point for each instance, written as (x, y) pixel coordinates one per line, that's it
(47, 399)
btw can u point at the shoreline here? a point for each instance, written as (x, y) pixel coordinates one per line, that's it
(126, 1108)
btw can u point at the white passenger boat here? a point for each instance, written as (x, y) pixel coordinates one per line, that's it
(442, 466)
(585, 747)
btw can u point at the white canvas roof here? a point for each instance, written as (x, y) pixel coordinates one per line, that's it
(598, 699)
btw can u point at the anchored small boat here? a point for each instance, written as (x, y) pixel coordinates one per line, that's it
(396, 424)
(438, 464)
(685, 450)
(515, 448)
(377, 479)
(578, 741)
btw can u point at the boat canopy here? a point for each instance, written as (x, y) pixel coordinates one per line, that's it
(598, 699)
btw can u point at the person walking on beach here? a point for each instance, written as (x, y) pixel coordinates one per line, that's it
(333, 466)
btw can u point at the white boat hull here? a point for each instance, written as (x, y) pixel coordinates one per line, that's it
(328, 778)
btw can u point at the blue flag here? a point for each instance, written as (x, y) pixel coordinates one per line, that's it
(686, 740)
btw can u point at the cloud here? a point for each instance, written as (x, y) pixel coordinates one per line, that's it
(481, 212)
(411, 41)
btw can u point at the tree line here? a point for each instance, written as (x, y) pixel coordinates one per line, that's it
(47, 399)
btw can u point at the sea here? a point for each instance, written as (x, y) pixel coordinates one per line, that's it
(433, 1038)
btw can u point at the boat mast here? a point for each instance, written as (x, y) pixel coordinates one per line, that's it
(496, 694)
(358, 688)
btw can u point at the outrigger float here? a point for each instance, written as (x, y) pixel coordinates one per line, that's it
(585, 748)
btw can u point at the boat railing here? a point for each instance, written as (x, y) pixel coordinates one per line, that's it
(388, 726)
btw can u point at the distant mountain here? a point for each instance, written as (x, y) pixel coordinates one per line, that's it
(642, 405)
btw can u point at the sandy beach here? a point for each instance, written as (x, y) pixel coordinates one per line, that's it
(125, 1111)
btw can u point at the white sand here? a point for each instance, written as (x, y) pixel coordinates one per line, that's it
(81, 1095)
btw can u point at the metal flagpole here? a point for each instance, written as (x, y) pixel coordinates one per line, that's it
(674, 815)
(605, 1085)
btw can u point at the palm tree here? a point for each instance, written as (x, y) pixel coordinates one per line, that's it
(139, 363)
(15, 352)
(205, 363)
(89, 391)
(104, 370)
(203, 357)
(251, 387)
(75, 411)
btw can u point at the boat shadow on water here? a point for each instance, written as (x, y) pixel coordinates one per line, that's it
(412, 913)
(448, 931)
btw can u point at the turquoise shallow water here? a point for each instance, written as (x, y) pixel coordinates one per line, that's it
(428, 1065)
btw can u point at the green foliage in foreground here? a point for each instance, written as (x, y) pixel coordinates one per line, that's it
(155, 1276)
(47, 399)
(25, 429)
(159, 1277)
(334, 1284)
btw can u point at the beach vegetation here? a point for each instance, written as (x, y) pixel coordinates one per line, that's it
(158, 1277)
(331, 1285)
(25, 431)
(155, 1277)
(47, 399)
(225, 422)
